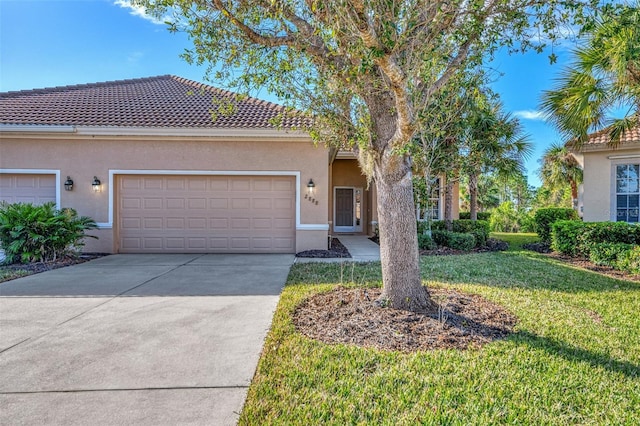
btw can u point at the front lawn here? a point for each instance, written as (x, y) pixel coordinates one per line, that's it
(574, 357)
(515, 240)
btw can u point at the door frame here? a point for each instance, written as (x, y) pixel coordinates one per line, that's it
(355, 227)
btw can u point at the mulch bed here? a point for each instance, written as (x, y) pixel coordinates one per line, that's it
(351, 316)
(337, 250)
(601, 269)
(37, 267)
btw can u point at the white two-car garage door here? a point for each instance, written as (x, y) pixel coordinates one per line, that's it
(206, 214)
(27, 188)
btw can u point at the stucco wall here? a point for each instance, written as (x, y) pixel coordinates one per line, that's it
(598, 198)
(82, 158)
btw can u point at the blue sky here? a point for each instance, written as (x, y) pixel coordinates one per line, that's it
(46, 43)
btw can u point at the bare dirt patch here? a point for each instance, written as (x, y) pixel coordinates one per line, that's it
(350, 316)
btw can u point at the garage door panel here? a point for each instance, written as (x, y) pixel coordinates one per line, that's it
(219, 223)
(175, 203)
(28, 188)
(219, 203)
(207, 214)
(240, 203)
(239, 184)
(174, 223)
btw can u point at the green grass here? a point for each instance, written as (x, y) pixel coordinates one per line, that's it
(516, 241)
(574, 359)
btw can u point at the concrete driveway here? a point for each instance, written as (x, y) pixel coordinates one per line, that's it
(136, 339)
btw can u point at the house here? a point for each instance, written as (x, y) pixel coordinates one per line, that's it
(166, 164)
(611, 186)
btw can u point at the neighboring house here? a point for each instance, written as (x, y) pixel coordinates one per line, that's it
(611, 185)
(182, 167)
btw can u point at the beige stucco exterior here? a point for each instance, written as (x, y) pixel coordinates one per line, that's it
(597, 201)
(83, 156)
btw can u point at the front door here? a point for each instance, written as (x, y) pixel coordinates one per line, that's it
(347, 214)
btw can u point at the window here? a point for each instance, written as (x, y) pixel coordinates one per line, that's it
(434, 200)
(627, 192)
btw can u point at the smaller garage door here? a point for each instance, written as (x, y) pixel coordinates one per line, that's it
(206, 214)
(27, 188)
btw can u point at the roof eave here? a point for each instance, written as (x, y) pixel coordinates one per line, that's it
(227, 133)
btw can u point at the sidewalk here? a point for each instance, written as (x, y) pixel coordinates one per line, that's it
(362, 249)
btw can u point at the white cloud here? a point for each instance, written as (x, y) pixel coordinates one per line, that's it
(135, 57)
(529, 114)
(140, 12)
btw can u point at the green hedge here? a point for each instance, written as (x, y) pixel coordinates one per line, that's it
(481, 215)
(629, 261)
(544, 218)
(615, 244)
(608, 254)
(565, 237)
(425, 242)
(479, 229)
(30, 233)
(454, 240)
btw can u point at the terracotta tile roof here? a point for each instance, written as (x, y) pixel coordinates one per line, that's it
(601, 137)
(164, 101)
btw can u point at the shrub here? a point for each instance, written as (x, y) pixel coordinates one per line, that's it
(479, 229)
(481, 215)
(629, 261)
(504, 218)
(441, 237)
(609, 232)
(608, 254)
(544, 218)
(425, 242)
(527, 222)
(30, 233)
(454, 240)
(460, 241)
(565, 236)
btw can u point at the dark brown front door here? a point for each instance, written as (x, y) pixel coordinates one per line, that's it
(344, 207)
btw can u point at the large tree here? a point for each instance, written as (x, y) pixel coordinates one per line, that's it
(604, 75)
(560, 168)
(493, 142)
(364, 69)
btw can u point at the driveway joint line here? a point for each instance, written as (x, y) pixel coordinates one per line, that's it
(15, 344)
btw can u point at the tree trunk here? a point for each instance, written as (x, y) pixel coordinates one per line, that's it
(448, 204)
(473, 196)
(402, 286)
(574, 194)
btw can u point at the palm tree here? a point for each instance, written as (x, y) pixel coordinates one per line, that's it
(605, 74)
(560, 167)
(494, 143)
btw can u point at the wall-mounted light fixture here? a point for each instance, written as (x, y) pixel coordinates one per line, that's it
(68, 184)
(96, 184)
(310, 186)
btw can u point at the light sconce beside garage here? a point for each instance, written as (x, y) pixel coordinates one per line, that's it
(309, 196)
(68, 184)
(96, 184)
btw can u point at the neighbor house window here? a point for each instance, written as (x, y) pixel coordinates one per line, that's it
(434, 200)
(627, 192)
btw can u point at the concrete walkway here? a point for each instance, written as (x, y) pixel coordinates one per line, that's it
(136, 339)
(362, 249)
